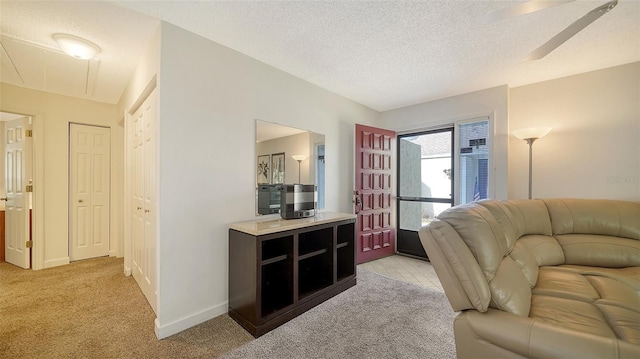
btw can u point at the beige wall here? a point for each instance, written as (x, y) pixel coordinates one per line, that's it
(593, 150)
(56, 112)
(492, 103)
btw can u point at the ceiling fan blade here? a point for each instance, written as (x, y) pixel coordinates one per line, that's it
(523, 8)
(573, 29)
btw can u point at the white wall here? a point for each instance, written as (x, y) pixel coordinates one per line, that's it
(209, 100)
(593, 150)
(491, 102)
(56, 112)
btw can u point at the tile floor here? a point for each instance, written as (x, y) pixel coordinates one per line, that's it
(416, 271)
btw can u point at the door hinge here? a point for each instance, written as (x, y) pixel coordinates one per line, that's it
(29, 244)
(28, 133)
(29, 188)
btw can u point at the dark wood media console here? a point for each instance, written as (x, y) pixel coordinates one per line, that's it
(279, 269)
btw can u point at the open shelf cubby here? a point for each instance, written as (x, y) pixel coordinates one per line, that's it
(315, 242)
(345, 249)
(314, 273)
(277, 249)
(276, 287)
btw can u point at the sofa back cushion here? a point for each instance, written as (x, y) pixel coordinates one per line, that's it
(593, 232)
(595, 216)
(520, 217)
(481, 233)
(600, 251)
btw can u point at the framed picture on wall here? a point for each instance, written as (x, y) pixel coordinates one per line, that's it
(263, 173)
(277, 168)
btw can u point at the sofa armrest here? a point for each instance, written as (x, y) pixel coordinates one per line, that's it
(458, 271)
(501, 334)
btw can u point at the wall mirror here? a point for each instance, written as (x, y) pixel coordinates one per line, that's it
(287, 155)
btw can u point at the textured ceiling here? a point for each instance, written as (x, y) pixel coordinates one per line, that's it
(27, 26)
(384, 55)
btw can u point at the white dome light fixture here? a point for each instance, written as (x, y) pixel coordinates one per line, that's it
(75, 46)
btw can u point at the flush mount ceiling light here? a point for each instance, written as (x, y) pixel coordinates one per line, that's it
(75, 46)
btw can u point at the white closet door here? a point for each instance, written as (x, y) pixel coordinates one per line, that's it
(89, 191)
(17, 155)
(143, 227)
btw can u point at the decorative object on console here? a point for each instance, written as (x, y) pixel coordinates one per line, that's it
(298, 200)
(530, 135)
(299, 158)
(277, 168)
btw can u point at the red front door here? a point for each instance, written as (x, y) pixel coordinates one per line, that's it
(375, 236)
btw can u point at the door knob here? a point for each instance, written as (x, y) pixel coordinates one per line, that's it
(146, 211)
(139, 208)
(80, 201)
(4, 199)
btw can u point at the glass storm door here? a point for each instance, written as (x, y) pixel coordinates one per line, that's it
(425, 184)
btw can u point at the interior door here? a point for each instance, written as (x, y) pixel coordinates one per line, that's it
(89, 191)
(143, 227)
(17, 164)
(375, 236)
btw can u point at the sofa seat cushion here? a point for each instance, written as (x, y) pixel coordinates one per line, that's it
(563, 283)
(580, 299)
(570, 314)
(629, 275)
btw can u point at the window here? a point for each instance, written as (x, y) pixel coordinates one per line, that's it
(473, 161)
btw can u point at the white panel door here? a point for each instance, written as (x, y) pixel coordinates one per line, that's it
(89, 191)
(143, 236)
(17, 164)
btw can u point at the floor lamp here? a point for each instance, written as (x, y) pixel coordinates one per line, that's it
(530, 135)
(299, 158)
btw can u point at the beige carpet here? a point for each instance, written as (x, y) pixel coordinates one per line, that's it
(89, 309)
(380, 317)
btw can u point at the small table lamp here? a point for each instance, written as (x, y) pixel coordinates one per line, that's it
(530, 135)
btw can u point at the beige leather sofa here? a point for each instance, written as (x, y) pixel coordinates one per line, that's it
(553, 278)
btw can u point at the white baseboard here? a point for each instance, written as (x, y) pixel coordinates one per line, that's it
(167, 330)
(56, 262)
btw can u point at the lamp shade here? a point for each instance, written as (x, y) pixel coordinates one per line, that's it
(75, 46)
(534, 132)
(299, 157)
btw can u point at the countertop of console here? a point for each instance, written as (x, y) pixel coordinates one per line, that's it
(261, 227)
